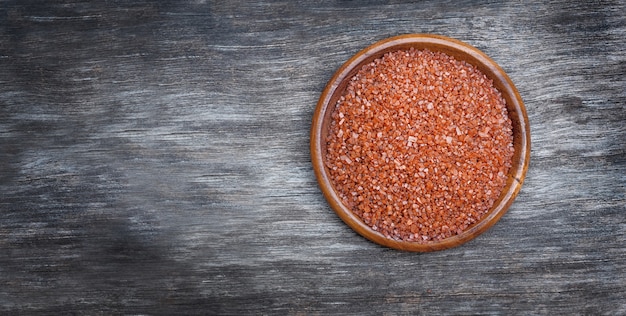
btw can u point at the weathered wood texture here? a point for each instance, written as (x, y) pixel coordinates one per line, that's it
(154, 159)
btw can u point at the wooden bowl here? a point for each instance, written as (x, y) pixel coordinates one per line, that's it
(460, 51)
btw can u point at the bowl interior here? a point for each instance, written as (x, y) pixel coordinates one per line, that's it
(460, 51)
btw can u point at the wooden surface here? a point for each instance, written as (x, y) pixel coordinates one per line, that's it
(154, 159)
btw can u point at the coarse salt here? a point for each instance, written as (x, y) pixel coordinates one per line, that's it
(433, 174)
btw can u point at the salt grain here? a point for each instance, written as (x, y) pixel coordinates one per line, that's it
(386, 180)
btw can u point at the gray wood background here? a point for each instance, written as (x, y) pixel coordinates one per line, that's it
(154, 159)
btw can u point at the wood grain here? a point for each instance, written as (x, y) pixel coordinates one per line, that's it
(154, 159)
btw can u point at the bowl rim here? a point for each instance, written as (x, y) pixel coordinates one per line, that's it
(460, 51)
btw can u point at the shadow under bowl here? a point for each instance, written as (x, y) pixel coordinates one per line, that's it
(460, 51)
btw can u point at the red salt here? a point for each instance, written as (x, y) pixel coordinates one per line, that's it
(419, 145)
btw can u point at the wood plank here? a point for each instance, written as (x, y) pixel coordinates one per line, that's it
(154, 159)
